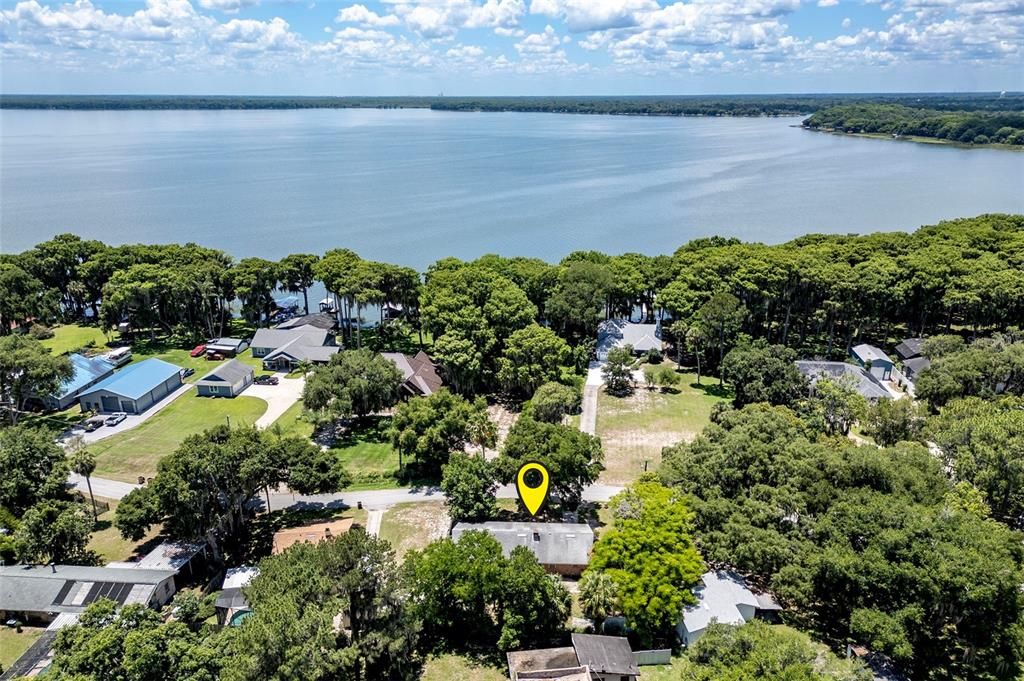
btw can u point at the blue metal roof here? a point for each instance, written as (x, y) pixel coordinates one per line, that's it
(86, 370)
(135, 380)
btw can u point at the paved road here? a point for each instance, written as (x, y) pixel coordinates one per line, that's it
(102, 487)
(588, 409)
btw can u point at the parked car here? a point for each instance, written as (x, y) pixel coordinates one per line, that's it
(266, 379)
(115, 418)
(198, 350)
(214, 356)
(94, 423)
(186, 372)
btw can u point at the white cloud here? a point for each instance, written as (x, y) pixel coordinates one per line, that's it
(359, 14)
(229, 6)
(847, 22)
(827, 3)
(594, 15)
(257, 36)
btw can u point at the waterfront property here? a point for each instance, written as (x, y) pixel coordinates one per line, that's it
(285, 349)
(561, 548)
(88, 372)
(618, 333)
(318, 320)
(226, 347)
(134, 389)
(419, 373)
(872, 359)
(227, 380)
(864, 382)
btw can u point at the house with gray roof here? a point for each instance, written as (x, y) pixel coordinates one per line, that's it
(88, 371)
(910, 348)
(227, 380)
(865, 383)
(317, 320)
(722, 597)
(133, 389)
(872, 359)
(618, 333)
(227, 347)
(561, 548)
(39, 593)
(285, 349)
(591, 658)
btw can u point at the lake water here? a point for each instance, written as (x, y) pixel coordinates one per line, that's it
(411, 186)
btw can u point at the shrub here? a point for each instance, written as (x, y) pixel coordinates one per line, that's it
(40, 332)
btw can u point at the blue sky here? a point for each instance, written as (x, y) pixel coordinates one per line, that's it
(509, 47)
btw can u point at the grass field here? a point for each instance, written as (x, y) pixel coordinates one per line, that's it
(182, 358)
(290, 423)
(450, 667)
(127, 455)
(72, 337)
(634, 429)
(368, 455)
(108, 543)
(412, 526)
(13, 644)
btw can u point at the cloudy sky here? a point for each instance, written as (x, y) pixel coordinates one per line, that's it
(425, 47)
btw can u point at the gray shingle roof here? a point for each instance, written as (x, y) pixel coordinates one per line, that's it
(717, 599)
(910, 347)
(863, 382)
(552, 543)
(605, 654)
(230, 372)
(614, 333)
(915, 365)
(319, 320)
(69, 588)
(275, 338)
(865, 352)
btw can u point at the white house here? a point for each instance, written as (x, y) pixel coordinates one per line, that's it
(722, 597)
(618, 333)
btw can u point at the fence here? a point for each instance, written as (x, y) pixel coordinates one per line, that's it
(648, 657)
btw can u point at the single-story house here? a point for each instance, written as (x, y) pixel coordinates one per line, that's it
(618, 333)
(88, 372)
(722, 597)
(562, 548)
(873, 360)
(228, 347)
(231, 602)
(910, 348)
(39, 593)
(317, 320)
(865, 383)
(313, 533)
(285, 349)
(187, 559)
(227, 380)
(134, 389)
(914, 366)
(419, 373)
(591, 658)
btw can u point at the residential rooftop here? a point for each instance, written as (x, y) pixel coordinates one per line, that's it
(135, 380)
(552, 543)
(87, 370)
(717, 599)
(863, 381)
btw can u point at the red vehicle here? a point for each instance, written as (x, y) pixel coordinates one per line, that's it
(197, 350)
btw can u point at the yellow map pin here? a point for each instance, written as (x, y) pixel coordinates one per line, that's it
(532, 486)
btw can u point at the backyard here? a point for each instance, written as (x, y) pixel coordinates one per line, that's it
(448, 666)
(136, 452)
(70, 337)
(635, 428)
(108, 543)
(13, 644)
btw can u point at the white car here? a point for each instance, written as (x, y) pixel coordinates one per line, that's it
(115, 418)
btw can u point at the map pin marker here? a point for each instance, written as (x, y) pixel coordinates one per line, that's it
(532, 486)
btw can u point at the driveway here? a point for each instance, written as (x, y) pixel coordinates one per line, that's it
(132, 421)
(279, 398)
(588, 409)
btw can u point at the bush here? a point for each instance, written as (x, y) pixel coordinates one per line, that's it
(40, 332)
(553, 401)
(981, 139)
(654, 356)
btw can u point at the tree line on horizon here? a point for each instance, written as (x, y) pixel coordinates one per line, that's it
(898, 119)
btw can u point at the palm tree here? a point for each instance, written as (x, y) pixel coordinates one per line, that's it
(598, 597)
(84, 463)
(481, 429)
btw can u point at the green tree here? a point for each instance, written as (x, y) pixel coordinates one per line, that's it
(573, 459)
(598, 596)
(297, 273)
(760, 372)
(22, 297)
(469, 484)
(579, 300)
(552, 402)
(835, 405)
(481, 430)
(83, 462)
(28, 369)
(533, 355)
(617, 371)
(353, 383)
(722, 316)
(650, 556)
(54, 532)
(34, 467)
(891, 421)
(254, 281)
(430, 428)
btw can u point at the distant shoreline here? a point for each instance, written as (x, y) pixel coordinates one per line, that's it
(916, 139)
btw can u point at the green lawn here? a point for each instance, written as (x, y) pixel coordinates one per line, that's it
(136, 452)
(368, 455)
(181, 357)
(634, 429)
(108, 543)
(73, 336)
(412, 526)
(13, 644)
(291, 423)
(449, 667)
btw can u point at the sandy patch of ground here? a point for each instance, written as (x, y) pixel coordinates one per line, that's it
(412, 526)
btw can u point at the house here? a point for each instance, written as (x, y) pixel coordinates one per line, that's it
(40, 593)
(419, 373)
(134, 389)
(618, 333)
(722, 597)
(285, 349)
(318, 320)
(910, 348)
(227, 380)
(313, 533)
(186, 559)
(914, 366)
(591, 657)
(865, 383)
(873, 360)
(562, 548)
(226, 347)
(232, 605)
(88, 372)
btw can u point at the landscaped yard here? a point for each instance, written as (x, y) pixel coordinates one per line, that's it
(634, 429)
(108, 543)
(290, 423)
(368, 455)
(182, 358)
(13, 644)
(72, 337)
(412, 526)
(449, 667)
(135, 452)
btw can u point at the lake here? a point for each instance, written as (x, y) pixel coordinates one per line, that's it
(412, 186)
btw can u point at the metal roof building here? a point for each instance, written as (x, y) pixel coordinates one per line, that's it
(88, 372)
(134, 388)
(563, 548)
(617, 333)
(227, 380)
(722, 597)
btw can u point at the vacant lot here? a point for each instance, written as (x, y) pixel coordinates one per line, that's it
(412, 526)
(136, 452)
(634, 429)
(448, 667)
(108, 543)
